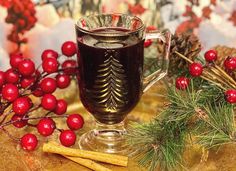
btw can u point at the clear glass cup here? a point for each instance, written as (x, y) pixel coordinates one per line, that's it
(111, 81)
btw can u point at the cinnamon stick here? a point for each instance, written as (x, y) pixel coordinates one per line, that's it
(53, 147)
(88, 163)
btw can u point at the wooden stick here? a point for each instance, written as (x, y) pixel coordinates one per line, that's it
(88, 163)
(225, 74)
(53, 147)
(184, 57)
(217, 72)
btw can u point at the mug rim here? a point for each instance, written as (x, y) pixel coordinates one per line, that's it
(91, 32)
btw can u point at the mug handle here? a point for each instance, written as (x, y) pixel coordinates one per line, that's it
(165, 37)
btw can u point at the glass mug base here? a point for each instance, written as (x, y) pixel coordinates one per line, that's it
(105, 138)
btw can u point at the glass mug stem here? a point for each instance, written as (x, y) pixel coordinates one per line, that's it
(105, 138)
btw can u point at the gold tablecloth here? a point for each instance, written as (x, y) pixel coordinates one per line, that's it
(14, 158)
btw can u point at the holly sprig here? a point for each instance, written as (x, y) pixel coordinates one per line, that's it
(201, 105)
(23, 81)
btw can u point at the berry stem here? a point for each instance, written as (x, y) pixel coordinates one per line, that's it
(225, 74)
(184, 57)
(10, 135)
(225, 81)
(215, 77)
(32, 118)
(32, 125)
(219, 85)
(5, 116)
(59, 70)
(58, 129)
(48, 113)
(43, 75)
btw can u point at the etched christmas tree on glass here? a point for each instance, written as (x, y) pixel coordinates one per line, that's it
(110, 90)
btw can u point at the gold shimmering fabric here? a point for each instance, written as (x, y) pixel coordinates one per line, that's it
(14, 158)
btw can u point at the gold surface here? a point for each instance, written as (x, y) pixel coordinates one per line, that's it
(14, 158)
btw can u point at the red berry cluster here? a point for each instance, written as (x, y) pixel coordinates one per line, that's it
(23, 80)
(230, 65)
(5, 3)
(196, 69)
(22, 15)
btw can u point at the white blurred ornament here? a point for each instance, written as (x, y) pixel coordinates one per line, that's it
(3, 14)
(118, 6)
(41, 38)
(47, 15)
(218, 31)
(4, 58)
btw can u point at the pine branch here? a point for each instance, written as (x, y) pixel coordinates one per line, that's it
(220, 126)
(161, 142)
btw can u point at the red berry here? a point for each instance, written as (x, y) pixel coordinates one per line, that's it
(61, 107)
(18, 122)
(2, 78)
(147, 43)
(29, 142)
(49, 53)
(26, 67)
(50, 65)
(38, 92)
(230, 63)
(21, 105)
(75, 121)
(12, 76)
(48, 85)
(15, 59)
(230, 96)
(195, 69)
(46, 126)
(182, 83)
(210, 55)
(49, 102)
(69, 67)
(26, 82)
(10, 92)
(63, 80)
(21, 23)
(68, 48)
(67, 138)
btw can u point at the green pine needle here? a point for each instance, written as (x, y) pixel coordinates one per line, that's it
(158, 144)
(200, 110)
(220, 125)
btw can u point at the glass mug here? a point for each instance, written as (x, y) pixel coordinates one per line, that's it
(111, 81)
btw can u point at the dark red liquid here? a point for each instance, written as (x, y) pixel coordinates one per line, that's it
(110, 75)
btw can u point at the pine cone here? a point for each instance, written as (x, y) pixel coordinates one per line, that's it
(222, 53)
(186, 44)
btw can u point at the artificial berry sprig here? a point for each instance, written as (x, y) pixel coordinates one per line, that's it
(24, 80)
(212, 73)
